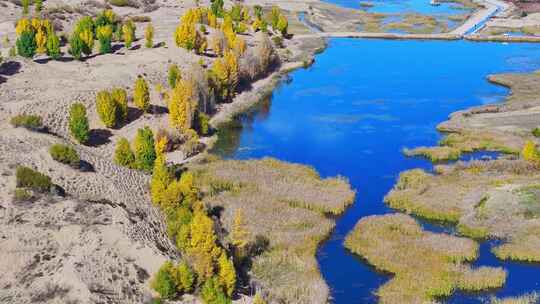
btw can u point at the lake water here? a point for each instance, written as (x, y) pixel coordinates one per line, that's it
(405, 6)
(354, 111)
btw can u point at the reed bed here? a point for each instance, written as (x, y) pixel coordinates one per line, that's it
(286, 205)
(426, 266)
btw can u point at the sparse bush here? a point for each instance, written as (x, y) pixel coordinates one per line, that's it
(29, 178)
(145, 153)
(78, 123)
(26, 44)
(65, 154)
(123, 155)
(106, 109)
(149, 36)
(141, 96)
(31, 122)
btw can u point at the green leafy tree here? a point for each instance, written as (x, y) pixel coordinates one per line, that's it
(53, 46)
(163, 281)
(26, 44)
(123, 156)
(78, 123)
(217, 8)
(145, 153)
(76, 46)
(212, 294)
(141, 96)
(104, 35)
(282, 25)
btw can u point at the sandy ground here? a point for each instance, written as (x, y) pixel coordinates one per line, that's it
(103, 240)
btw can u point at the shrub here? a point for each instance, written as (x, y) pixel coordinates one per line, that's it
(53, 46)
(104, 35)
(26, 44)
(28, 178)
(149, 36)
(78, 123)
(174, 75)
(119, 96)
(76, 46)
(141, 96)
(145, 153)
(106, 109)
(123, 155)
(65, 154)
(163, 282)
(31, 122)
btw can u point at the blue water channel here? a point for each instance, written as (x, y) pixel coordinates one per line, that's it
(353, 112)
(404, 6)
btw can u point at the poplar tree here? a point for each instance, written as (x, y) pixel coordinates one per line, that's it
(123, 155)
(182, 105)
(106, 108)
(149, 36)
(145, 153)
(119, 97)
(227, 274)
(141, 96)
(78, 123)
(53, 46)
(161, 178)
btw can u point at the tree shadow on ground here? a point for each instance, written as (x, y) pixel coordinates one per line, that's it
(99, 137)
(85, 166)
(159, 109)
(132, 115)
(10, 68)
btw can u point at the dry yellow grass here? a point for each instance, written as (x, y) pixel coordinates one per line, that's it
(532, 298)
(434, 154)
(426, 265)
(286, 205)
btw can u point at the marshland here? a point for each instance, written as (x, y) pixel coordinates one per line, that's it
(232, 152)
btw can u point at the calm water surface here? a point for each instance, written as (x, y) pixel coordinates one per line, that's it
(353, 112)
(405, 6)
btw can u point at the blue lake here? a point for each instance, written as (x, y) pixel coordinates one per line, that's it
(405, 6)
(354, 111)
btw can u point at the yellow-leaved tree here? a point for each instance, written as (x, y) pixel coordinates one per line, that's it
(141, 96)
(182, 105)
(530, 153)
(161, 178)
(239, 233)
(202, 246)
(227, 274)
(41, 41)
